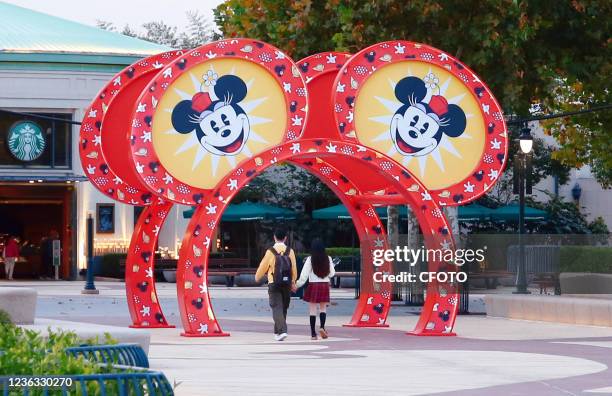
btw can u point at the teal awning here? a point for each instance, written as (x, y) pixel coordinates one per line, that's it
(338, 212)
(251, 211)
(511, 213)
(473, 212)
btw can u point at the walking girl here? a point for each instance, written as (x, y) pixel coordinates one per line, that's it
(318, 269)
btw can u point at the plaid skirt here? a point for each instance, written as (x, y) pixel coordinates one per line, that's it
(317, 292)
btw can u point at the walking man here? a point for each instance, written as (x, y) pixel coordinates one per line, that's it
(279, 264)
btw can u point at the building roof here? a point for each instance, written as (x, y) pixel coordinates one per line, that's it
(31, 36)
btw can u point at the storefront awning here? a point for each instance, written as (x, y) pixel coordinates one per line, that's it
(38, 178)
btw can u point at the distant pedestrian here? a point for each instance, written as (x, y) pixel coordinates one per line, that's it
(318, 270)
(10, 254)
(279, 264)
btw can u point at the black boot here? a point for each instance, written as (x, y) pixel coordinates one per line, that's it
(313, 322)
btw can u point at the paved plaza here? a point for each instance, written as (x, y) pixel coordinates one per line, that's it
(490, 356)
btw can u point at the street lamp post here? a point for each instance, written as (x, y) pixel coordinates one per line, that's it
(90, 288)
(526, 145)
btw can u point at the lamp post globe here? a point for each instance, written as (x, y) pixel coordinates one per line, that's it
(526, 140)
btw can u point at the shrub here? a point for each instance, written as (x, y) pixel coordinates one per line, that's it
(5, 318)
(585, 259)
(110, 266)
(27, 352)
(343, 251)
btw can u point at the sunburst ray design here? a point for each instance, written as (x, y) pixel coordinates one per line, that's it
(435, 155)
(191, 141)
(214, 164)
(200, 155)
(456, 99)
(197, 83)
(203, 166)
(182, 94)
(247, 151)
(382, 136)
(447, 145)
(254, 136)
(444, 86)
(391, 105)
(171, 131)
(422, 165)
(252, 104)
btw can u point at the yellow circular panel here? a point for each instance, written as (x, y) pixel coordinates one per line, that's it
(428, 150)
(200, 138)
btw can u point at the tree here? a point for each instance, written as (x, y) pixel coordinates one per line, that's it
(526, 51)
(199, 31)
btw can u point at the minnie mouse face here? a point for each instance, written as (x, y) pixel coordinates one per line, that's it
(417, 127)
(221, 126)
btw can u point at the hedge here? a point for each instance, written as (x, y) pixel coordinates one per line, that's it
(585, 259)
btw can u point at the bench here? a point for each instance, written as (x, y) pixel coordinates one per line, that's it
(228, 276)
(491, 278)
(336, 281)
(544, 280)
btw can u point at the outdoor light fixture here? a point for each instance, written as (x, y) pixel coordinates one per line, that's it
(526, 143)
(526, 140)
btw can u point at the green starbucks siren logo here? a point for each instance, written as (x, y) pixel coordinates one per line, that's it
(26, 140)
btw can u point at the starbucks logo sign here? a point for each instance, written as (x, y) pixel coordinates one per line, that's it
(26, 140)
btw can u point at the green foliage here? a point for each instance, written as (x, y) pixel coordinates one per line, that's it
(563, 218)
(585, 259)
(598, 226)
(343, 251)
(553, 53)
(26, 352)
(111, 266)
(5, 318)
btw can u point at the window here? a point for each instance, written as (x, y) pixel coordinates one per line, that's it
(105, 218)
(53, 137)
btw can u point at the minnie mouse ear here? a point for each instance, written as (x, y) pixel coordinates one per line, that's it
(410, 88)
(230, 87)
(183, 115)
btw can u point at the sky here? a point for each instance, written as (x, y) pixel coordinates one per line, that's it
(121, 12)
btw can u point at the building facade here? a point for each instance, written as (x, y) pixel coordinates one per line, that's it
(50, 69)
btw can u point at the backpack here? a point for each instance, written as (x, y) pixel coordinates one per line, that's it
(282, 268)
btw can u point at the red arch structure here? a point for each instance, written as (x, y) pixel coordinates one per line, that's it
(194, 298)
(325, 131)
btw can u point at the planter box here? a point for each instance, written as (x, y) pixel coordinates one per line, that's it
(585, 283)
(245, 280)
(559, 309)
(19, 303)
(217, 279)
(170, 276)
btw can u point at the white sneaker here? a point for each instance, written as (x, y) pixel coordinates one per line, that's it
(277, 337)
(281, 337)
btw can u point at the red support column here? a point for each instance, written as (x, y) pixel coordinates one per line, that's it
(142, 300)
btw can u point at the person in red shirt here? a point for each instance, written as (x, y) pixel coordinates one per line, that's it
(11, 253)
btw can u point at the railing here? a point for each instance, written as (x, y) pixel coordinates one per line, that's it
(131, 376)
(538, 259)
(121, 354)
